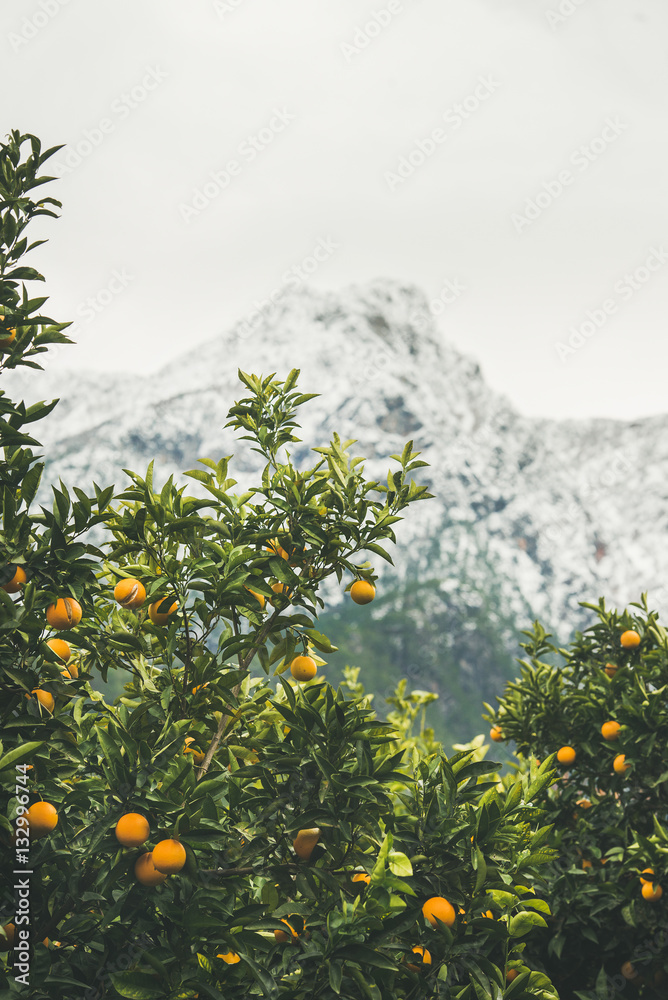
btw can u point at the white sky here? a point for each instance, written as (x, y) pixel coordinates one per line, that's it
(227, 66)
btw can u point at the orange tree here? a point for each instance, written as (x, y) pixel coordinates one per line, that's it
(602, 710)
(219, 832)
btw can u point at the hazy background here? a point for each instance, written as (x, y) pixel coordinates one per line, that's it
(183, 86)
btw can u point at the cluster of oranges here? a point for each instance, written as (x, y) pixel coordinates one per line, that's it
(610, 731)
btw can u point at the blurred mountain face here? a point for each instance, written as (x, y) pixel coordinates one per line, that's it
(529, 517)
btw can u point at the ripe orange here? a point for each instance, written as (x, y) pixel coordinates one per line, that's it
(647, 871)
(652, 893)
(9, 930)
(424, 955)
(282, 591)
(198, 755)
(586, 864)
(611, 669)
(258, 597)
(437, 908)
(362, 592)
(628, 971)
(14, 585)
(277, 549)
(630, 639)
(583, 803)
(619, 764)
(64, 614)
(303, 668)
(566, 755)
(361, 877)
(305, 841)
(146, 872)
(169, 856)
(42, 819)
(511, 974)
(130, 593)
(73, 669)
(60, 648)
(45, 698)
(282, 937)
(610, 730)
(496, 734)
(161, 611)
(6, 342)
(132, 830)
(229, 957)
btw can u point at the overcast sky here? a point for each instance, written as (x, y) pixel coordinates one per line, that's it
(508, 156)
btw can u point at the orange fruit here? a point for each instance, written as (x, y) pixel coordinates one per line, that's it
(277, 549)
(647, 871)
(586, 864)
(511, 974)
(60, 648)
(652, 893)
(45, 698)
(488, 914)
(198, 755)
(303, 668)
(424, 955)
(169, 856)
(73, 669)
(566, 755)
(361, 877)
(258, 597)
(132, 830)
(146, 872)
(42, 819)
(437, 908)
(610, 669)
(362, 592)
(629, 639)
(9, 930)
(229, 957)
(496, 734)
(610, 730)
(619, 764)
(282, 591)
(161, 611)
(282, 937)
(583, 803)
(64, 614)
(6, 342)
(628, 971)
(305, 841)
(200, 687)
(14, 585)
(130, 593)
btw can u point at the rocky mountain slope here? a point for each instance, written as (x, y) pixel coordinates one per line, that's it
(529, 517)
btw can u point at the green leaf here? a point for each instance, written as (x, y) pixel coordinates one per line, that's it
(523, 922)
(18, 754)
(399, 864)
(136, 985)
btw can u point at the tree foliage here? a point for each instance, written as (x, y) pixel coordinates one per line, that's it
(215, 744)
(608, 826)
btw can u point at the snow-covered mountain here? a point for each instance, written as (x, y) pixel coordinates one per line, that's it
(540, 513)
